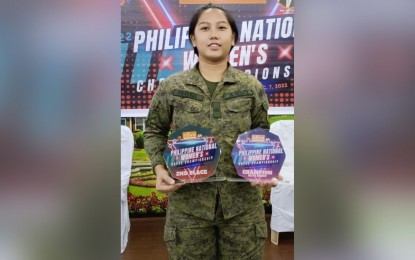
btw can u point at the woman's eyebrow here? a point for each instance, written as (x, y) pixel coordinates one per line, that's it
(202, 23)
(207, 23)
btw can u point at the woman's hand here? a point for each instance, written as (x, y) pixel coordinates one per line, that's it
(267, 184)
(165, 183)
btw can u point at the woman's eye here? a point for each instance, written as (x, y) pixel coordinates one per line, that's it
(204, 28)
(222, 28)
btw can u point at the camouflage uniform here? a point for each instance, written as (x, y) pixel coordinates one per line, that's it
(216, 220)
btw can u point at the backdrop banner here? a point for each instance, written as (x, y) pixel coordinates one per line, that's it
(155, 44)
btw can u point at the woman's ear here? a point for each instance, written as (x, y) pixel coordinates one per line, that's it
(192, 39)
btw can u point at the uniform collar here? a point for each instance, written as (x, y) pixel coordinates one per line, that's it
(195, 78)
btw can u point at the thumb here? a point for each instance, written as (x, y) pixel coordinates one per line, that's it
(168, 179)
(171, 181)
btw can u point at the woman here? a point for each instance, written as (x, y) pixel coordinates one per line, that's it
(212, 220)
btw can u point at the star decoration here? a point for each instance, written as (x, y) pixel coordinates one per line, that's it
(166, 63)
(285, 52)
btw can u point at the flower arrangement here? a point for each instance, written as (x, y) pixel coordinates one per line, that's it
(146, 205)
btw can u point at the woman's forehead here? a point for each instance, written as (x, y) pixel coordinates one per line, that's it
(213, 14)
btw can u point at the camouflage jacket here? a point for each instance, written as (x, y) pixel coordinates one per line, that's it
(238, 104)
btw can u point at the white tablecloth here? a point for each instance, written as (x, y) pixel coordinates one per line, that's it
(282, 196)
(127, 148)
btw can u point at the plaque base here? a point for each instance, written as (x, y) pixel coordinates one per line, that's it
(216, 179)
(210, 179)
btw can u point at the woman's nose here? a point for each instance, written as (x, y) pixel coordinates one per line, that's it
(213, 34)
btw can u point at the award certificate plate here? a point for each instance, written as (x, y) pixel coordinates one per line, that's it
(258, 155)
(192, 154)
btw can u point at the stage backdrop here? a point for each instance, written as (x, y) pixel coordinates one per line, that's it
(155, 44)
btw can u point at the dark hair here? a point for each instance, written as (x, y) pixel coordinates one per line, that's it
(199, 12)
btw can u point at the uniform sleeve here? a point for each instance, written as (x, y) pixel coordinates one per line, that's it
(157, 126)
(260, 109)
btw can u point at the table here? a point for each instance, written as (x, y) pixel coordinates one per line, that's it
(282, 196)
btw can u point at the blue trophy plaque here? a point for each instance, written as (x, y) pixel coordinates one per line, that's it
(258, 155)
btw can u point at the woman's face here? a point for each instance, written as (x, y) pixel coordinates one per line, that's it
(213, 36)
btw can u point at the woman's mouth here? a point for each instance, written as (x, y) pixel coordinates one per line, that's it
(214, 46)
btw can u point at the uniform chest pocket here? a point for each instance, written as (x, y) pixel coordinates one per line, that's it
(186, 112)
(239, 105)
(186, 105)
(238, 115)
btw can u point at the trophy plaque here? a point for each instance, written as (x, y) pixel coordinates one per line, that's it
(192, 155)
(258, 155)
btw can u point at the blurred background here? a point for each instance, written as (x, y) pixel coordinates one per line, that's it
(354, 125)
(59, 136)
